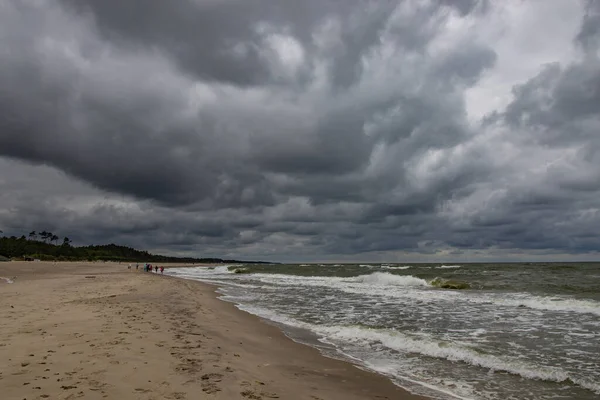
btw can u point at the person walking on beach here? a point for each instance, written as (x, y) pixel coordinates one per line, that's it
(137, 266)
(156, 269)
(162, 269)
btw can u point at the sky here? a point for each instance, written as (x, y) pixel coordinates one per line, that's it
(314, 130)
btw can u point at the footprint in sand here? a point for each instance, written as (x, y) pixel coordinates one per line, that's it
(249, 394)
(209, 383)
(270, 395)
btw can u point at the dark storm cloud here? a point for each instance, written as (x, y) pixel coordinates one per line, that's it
(124, 131)
(202, 34)
(589, 35)
(295, 129)
(559, 102)
(116, 128)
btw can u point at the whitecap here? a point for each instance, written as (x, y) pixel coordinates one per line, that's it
(451, 351)
(386, 279)
(396, 268)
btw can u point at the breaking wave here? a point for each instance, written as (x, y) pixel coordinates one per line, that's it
(384, 278)
(451, 351)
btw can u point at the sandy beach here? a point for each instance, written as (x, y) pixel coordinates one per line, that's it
(95, 331)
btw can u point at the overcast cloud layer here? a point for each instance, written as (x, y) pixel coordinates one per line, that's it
(304, 130)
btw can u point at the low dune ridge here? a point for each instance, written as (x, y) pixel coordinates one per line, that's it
(102, 331)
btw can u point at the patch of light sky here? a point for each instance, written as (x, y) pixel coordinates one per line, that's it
(525, 36)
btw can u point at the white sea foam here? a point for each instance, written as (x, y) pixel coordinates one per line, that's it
(387, 279)
(395, 268)
(559, 304)
(423, 345)
(274, 316)
(358, 284)
(8, 280)
(292, 322)
(449, 266)
(221, 269)
(451, 351)
(382, 284)
(391, 290)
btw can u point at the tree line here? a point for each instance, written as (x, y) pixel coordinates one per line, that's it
(47, 237)
(47, 246)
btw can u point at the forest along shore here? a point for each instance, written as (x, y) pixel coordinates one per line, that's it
(103, 331)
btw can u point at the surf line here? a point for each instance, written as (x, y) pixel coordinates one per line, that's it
(8, 280)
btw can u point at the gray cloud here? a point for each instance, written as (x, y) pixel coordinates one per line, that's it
(335, 129)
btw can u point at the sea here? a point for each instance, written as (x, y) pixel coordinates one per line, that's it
(464, 331)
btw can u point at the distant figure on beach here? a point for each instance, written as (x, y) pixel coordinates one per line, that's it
(162, 269)
(128, 266)
(156, 269)
(137, 266)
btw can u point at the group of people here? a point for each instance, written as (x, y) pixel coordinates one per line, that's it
(148, 268)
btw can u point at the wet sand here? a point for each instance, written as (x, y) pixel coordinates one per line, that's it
(101, 331)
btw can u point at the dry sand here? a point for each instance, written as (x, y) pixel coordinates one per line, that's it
(96, 331)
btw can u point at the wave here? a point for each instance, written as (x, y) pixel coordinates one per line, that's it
(385, 279)
(449, 266)
(558, 304)
(397, 342)
(395, 268)
(451, 351)
(342, 283)
(383, 284)
(385, 266)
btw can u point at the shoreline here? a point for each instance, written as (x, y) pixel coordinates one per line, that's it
(102, 331)
(341, 358)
